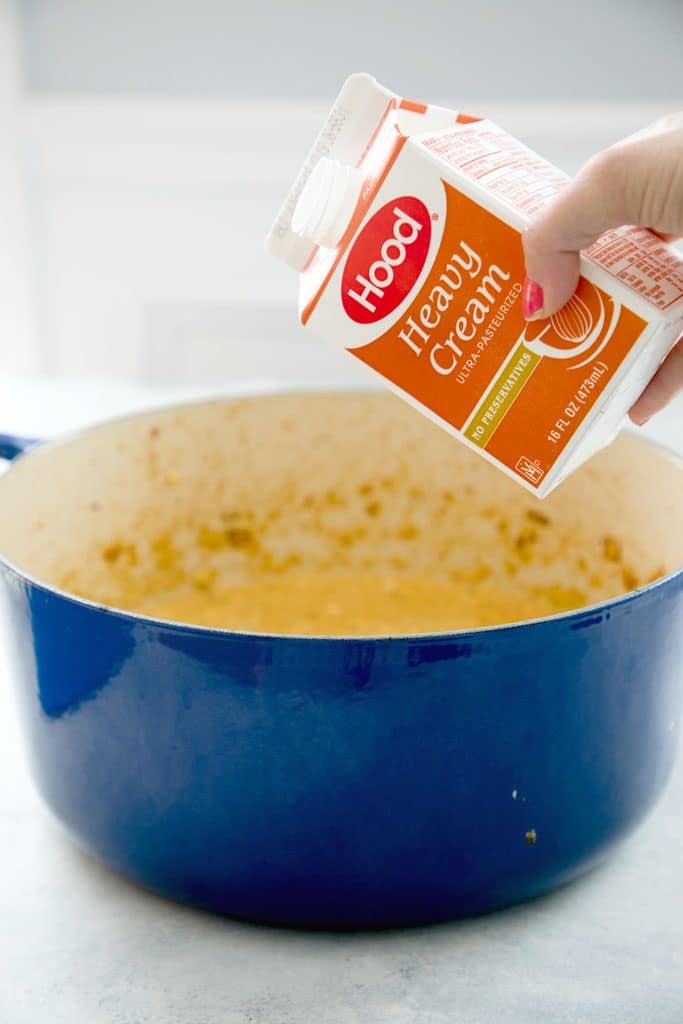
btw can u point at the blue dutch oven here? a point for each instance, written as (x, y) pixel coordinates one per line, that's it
(331, 781)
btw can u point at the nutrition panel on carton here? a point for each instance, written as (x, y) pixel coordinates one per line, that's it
(408, 247)
(511, 171)
(505, 166)
(643, 262)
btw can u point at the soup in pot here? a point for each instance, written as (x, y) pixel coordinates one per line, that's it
(355, 604)
(336, 514)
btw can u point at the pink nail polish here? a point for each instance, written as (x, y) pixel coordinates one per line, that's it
(532, 298)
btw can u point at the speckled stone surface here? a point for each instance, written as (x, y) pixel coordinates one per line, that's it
(80, 946)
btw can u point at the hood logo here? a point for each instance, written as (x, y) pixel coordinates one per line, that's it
(386, 259)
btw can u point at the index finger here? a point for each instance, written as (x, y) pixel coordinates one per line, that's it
(588, 206)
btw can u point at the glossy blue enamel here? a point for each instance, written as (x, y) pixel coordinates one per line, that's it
(11, 446)
(349, 783)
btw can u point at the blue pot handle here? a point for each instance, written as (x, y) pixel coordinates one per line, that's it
(11, 447)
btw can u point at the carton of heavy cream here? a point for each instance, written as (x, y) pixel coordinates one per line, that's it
(404, 226)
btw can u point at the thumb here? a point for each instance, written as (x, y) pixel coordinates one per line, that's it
(638, 181)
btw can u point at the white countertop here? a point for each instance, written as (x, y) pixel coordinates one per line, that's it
(80, 946)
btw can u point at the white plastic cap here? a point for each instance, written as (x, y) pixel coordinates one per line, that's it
(327, 202)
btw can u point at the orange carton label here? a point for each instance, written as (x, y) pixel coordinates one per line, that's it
(463, 350)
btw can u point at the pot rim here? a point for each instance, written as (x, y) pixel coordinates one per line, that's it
(192, 630)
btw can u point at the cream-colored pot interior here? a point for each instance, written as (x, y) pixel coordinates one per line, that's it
(210, 495)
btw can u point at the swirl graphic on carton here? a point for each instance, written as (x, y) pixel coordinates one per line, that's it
(580, 328)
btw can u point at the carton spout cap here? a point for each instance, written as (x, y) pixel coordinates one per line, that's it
(327, 202)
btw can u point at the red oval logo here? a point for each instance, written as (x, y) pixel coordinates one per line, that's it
(386, 259)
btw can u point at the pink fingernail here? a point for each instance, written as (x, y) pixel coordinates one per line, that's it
(532, 298)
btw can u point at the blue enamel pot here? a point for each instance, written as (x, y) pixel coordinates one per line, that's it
(345, 782)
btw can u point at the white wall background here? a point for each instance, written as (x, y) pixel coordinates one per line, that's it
(145, 148)
(444, 49)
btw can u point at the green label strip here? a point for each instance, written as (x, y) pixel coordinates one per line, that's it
(501, 396)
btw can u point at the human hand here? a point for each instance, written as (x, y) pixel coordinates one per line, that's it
(637, 181)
